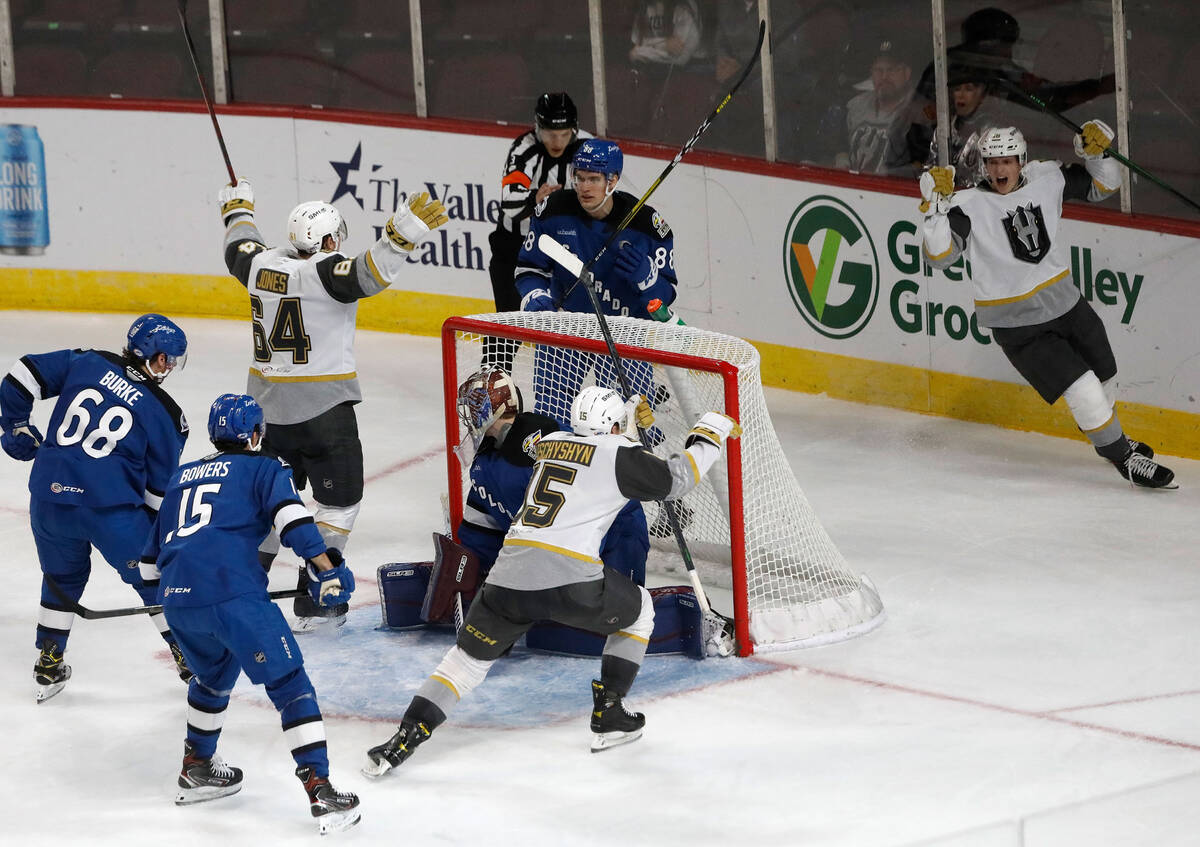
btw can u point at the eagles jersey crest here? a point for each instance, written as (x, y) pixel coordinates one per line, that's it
(1027, 235)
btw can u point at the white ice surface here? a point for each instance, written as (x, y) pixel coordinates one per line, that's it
(1035, 682)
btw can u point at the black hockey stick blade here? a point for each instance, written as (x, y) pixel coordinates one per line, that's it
(683, 151)
(99, 614)
(1042, 106)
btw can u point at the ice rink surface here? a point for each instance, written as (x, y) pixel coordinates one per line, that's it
(1036, 682)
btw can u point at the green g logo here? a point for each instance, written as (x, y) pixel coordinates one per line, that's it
(829, 229)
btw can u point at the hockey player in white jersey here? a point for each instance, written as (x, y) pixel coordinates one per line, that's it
(549, 567)
(303, 304)
(1007, 227)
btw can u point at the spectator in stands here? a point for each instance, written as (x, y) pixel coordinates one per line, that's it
(812, 82)
(972, 111)
(737, 33)
(740, 129)
(985, 53)
(875, 124)
(666, 35)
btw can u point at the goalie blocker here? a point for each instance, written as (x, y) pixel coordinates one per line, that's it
(419, 594)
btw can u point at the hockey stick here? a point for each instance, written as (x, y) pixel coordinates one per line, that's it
(1041, 106)
(99, 614)
(212, 113)
(683, 151)
(572, 264)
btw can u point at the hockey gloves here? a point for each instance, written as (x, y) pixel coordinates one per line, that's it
(22, 441)
(937, 187)
(714, 428)
(413, 221)
(332, 587)
(1096, 138)
(636, 269)
(235, 200)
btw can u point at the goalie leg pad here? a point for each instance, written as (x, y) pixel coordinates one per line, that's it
(678, 622)
(402, 592)
(456, 570)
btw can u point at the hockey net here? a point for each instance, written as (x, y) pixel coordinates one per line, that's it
(748, 525)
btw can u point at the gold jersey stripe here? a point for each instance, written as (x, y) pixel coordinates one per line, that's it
(1026, 295)
(524, 542)
(315, 378)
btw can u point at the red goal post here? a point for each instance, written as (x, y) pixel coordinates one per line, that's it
(787, 591)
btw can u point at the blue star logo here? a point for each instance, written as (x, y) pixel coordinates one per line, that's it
(343, 170)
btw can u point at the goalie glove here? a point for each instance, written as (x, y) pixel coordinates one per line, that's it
(1095, 139)
(637, 414)
(937, 187)
(411, 223)
(332, 587)
(236, 201)
(21, 441)
(713, 428)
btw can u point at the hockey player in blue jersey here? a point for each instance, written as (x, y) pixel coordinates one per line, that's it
(637, 269)
(98, 477)
(490, 405)
(203, 554)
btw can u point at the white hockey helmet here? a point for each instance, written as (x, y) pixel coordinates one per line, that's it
(596, 409)
(484, 397)
(1002, 141)
(311, 221)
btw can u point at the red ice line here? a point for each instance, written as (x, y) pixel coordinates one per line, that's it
(995, 707)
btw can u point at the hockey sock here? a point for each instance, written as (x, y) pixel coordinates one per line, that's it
(160, 623)
(303, 729)
(205, 717)
(1095, 416)
(451, 680)
(624, 650)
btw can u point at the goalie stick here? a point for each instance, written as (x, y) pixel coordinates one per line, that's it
(99, 614)
(718, 628)
(212, 113)
(683, 151)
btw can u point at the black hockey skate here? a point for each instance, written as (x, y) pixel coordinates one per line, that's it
(181, 665)
(612, 723)
(396, 749)
(1140, 447)
(334, 810)
(205, 779)
(1143, 471)
(50, 672)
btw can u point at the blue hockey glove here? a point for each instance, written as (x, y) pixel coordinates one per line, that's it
(538, 301)
(22, 441)
(332, 587)
(633, 266)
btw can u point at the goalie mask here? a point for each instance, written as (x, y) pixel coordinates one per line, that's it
(596, 409)
(310, 222)
(484, 397)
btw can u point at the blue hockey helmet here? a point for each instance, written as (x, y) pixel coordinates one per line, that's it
(152, 334)
(600, 156)
(234, 418)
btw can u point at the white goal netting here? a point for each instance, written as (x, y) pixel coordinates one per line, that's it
(748, 525)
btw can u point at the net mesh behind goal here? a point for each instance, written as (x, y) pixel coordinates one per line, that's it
(748, 521)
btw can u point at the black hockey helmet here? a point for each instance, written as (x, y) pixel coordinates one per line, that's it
(990, 24)
(555, 110)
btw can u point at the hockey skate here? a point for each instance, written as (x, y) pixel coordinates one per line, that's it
(612, 723)
(396, 749)
(311, 617)
(205, 779)
(50, 672)
(334, 810)
(1143, 471)
(181, 665)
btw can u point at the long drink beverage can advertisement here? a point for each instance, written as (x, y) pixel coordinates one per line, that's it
(24, 217)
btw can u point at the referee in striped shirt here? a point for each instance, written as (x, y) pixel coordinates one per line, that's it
(536, 165)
